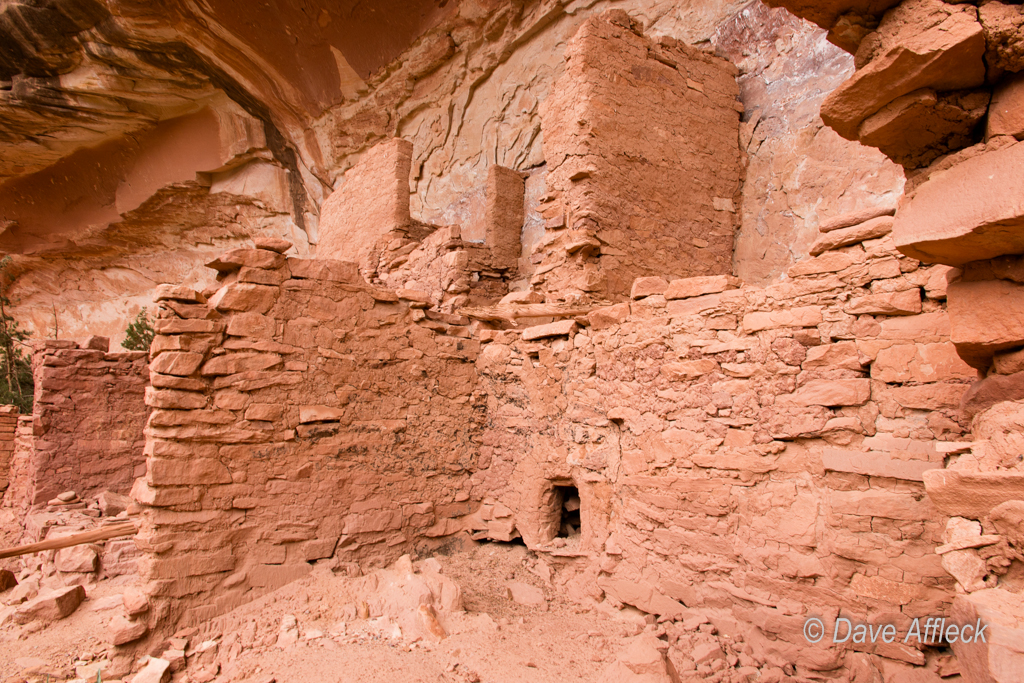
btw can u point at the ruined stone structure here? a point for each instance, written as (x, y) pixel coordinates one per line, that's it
(719, 315)
(642, 163)
(8, 425)
(85, 433)
(291, 413)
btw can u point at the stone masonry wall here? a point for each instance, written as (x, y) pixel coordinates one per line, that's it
(87, 423)
(641, 139)
(8, 424)
(17, 494)
(299, 414)
(758, 451)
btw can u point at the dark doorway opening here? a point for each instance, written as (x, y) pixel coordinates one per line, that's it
(568, 500)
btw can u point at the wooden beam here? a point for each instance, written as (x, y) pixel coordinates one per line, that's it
(101, 534)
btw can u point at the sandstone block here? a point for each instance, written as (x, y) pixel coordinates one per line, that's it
(688, 369)
(999, 656)
(980, 322)
(163, 496)
(244, 296)
(178, 363)
(856, 218)
(181, 293)
(155, 671)
(829, 262)
(841, 355)
(309, 414)
(556, 329)
(841, 392)
(927, 327)
(186, 326)
(907, 302)
(889, 592)
(79, 559)
(966, 567)
(324, 269)
(51, 605)
(112, 504)
(843, 237)
(122, 631)
(231, 261)
(698, 286)
(275, 244)
(265, 412)
(916, 128)
(135, 602)
(994, 389)
(200, 471)
(875, 464)
(647, 286)
(971, 494)
(236, 363)
(97, 343)
(806, 316)
(1006, 112)
(696, 305)
(707, 652)
(608, 316)
(941, 396)
(643, 661)
(1009, 363)
(969, 212)
(174, 400)
(920, 363)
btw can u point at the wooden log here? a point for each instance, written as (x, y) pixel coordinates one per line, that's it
(100, 534)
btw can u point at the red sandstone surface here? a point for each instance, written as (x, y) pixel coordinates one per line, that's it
(514, 342)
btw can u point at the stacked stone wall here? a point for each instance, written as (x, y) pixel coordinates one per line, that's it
(86, 430)
(759, 451)
(8, 425)
(299, 414)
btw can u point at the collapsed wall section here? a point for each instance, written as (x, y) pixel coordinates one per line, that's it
(758, 451)
(299, 414)
(641, 138)
(86, 429)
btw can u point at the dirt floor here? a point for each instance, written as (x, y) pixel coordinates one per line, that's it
(446, 618)
(494, 639)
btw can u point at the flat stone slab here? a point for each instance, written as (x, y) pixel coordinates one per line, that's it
(971, 494)
(971, 212)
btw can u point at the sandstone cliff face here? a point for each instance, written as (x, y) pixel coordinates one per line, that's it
(145, 115)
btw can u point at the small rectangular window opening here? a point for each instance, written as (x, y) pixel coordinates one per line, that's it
(568, 498)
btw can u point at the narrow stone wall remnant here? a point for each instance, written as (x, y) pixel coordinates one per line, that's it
(8, 424)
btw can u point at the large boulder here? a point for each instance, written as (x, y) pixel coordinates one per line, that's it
(920, 44)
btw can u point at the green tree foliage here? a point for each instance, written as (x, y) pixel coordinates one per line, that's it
(140, 333)
(15, 366)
